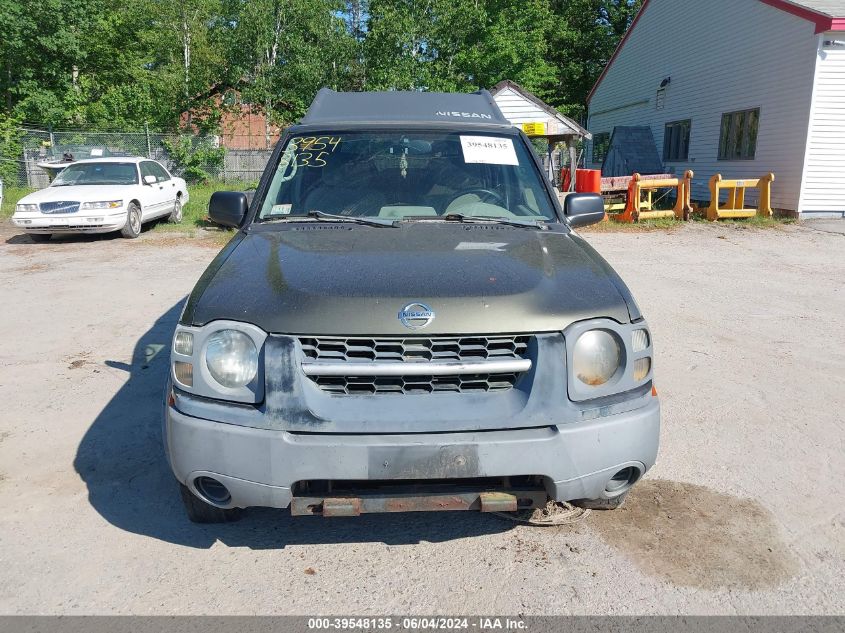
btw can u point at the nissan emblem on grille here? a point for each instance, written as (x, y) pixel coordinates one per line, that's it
(416, 316)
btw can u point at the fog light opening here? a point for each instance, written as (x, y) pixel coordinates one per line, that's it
(621, 481)
(212, 490)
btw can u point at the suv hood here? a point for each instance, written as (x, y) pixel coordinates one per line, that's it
(344, 279)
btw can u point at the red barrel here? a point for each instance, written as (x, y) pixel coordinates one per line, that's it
(565, 179)
(588, 181)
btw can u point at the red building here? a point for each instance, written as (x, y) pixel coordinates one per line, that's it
(242, 125)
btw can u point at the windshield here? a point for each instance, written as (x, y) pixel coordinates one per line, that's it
(402, 176)
(98, 174)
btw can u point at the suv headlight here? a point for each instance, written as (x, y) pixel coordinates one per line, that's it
(26, 208)
(220, 360)
(105, 204)
(231, 358)
(606, 358)
(597, 357)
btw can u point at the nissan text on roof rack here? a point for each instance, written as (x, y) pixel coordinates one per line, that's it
(102, 195)
(406, 320)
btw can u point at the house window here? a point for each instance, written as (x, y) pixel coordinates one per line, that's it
(738, 137)
(601, 143)
(676, 141)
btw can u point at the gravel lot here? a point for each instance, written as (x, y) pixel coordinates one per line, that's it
(743, 513)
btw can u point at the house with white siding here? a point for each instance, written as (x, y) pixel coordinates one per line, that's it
(737, 87)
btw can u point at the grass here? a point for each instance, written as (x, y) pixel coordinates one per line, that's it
(758, 222)
(646, 226)
(11, 195)
(669, 224)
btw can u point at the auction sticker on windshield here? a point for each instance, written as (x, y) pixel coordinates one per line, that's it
(488, 150)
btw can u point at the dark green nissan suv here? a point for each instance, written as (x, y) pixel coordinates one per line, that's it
(406, 320)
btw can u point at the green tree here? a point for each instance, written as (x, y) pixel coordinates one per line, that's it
(195, 162)
(121, 82)
(183, 42)
(512, 45)
(282, 51)
(456, 44)
(41, 55)
(11, 150)
(582, 38)
(86, 64)
(120, 63)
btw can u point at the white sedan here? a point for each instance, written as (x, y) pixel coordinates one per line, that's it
(102, 195)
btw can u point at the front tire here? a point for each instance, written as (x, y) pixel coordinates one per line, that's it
(132, 228)
(40, 237)
(201, 512)
(175, 216)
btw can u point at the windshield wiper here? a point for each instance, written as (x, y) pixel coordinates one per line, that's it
(320, 216)
(481, 219)
(331, 217)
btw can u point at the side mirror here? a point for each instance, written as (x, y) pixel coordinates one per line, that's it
(149, 179)
(583, 209)
(228, 208)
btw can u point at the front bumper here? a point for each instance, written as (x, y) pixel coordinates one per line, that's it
(260, 467)
(81, 222)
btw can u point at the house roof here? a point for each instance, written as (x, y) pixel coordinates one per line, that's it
(831, 8)
(827, 15)
(477, 108)
(576, 129)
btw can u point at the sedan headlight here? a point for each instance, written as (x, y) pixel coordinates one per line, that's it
(26, 208)
(231, 358)
(597, 357)
(105, 204)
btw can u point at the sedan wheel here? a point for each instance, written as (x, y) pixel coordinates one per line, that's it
(175, 216)
(132, 229)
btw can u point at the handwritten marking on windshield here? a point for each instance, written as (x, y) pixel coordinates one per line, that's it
(314, 150)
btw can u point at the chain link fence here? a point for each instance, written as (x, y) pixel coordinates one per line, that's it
(30, 157)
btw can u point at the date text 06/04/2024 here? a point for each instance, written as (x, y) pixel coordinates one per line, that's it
(418, 624)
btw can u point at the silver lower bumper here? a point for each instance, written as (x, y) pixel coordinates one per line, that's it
(259, 467)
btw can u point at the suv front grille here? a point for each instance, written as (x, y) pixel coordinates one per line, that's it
(352, 385)
(415, 349)
(415, 365)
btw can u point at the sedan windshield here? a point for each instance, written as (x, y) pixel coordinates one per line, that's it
(98, 174)
(407, 176)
